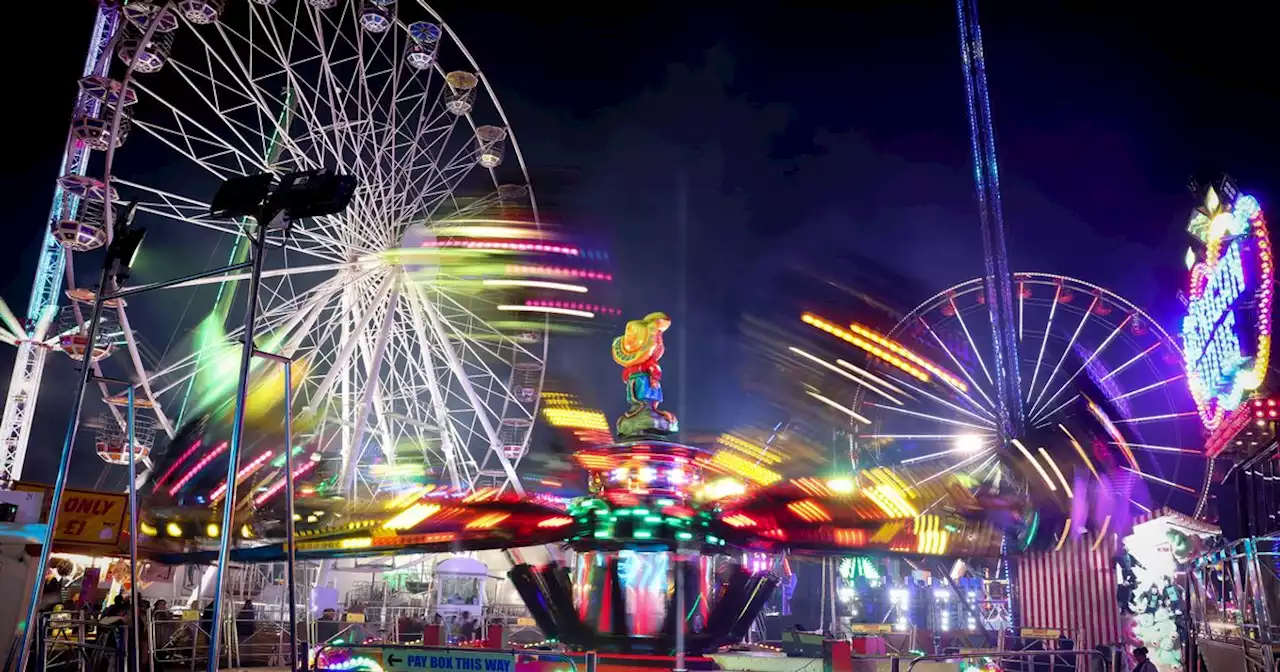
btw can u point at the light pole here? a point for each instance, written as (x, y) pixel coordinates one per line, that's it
(271, 205)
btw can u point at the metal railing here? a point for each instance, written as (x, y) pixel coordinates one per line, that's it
(1002, 656)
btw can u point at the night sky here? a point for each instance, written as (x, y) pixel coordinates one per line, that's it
(831, 138)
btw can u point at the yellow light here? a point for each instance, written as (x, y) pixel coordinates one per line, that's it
(357, 542)
(411, 516)
(750, 449)
(173, 530)
(1032, 459)
(819, 323)
(899, 349)
(1054, 466)
(723, 488)
(211, 530)
(148, 529)
(731, 462)
(576, 418)
(842, 486)
(246, 532)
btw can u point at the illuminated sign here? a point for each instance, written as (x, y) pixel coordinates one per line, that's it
(1226, 334)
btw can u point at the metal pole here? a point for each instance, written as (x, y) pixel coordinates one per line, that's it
(135, 660)
(680, 614)
(290, 580)
(23, 640)
(256, 240)
(122, 293)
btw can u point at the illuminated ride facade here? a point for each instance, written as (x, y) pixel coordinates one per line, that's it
(1234, 591)
(658, 517)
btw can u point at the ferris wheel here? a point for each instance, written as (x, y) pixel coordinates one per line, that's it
(1101, 384)
(398, 355)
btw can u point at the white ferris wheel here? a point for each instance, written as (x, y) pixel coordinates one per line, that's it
(398, 358)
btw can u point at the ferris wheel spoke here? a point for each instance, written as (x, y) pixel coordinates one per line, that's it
(973, 347)
(443, 342)
(372, 355)
(1044, 340)
(140, 371)
(1147, 388)
(987, 427)
(1039, 407)
(964, 371)
(436, 397)
(1084, 319)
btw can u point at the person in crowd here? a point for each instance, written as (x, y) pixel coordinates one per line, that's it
(467, 628)
(327, 626)
(245, 618)
(1141, 662)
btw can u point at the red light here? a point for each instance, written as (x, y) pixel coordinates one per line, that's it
(555, 521)
(739, 520)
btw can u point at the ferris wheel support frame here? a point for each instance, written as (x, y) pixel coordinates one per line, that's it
(28, 365)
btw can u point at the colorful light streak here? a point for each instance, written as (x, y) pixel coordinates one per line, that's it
(1221, 368)
(534, 284)
(244, 473)
(204, 462)
(900, 350)
(572, 305)
(503, 246)
(567, 312)
(177, 463)
(557, 272)
(1032, 459)
(871, 348)
(730, 462)
(279, 485)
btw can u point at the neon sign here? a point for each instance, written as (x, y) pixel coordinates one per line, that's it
(1226, 334)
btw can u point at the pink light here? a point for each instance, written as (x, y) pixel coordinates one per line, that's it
(174, 467)
(271, 491)
(501, 245)
(204, 462)
(573, 305)
(244, 473)
(557, 272)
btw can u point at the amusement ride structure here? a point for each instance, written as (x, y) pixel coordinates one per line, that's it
(409, 315)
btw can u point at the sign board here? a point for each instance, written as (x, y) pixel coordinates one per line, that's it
(85, 516)
(448, 660)
(871, 628)
(1226, 333)
(1040, 633)
(406, 659)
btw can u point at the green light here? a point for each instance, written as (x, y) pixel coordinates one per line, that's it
(602, 534)
(653, 519)
(644, 534)
(665, 502)
(684, 536)
(711, 538)
(640, 512)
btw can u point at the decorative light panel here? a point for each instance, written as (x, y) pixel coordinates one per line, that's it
(1226, 332)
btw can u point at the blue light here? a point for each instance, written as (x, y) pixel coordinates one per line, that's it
(1211, 340)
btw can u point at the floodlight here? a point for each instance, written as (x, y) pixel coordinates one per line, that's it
(314, 193)
(310, 193)
(242, 196)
